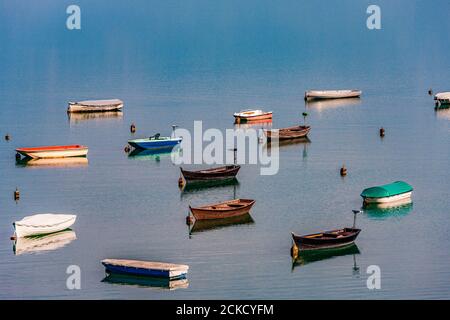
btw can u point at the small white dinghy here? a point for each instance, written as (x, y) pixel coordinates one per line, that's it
(332, 94)
(95, 105)
(43, 224)
(442, 98)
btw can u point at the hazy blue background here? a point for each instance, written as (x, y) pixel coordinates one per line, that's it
(180, 61)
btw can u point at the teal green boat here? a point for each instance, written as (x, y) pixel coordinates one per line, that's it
(393, 192)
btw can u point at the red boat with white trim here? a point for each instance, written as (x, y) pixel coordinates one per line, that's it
(75, 150)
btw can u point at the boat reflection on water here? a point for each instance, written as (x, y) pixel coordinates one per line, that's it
(383, 211)
(291, 143)
(261, 124)
(39, 244)
(322, 105)
(194, 186)
(304, 257)
(443, 113)
(205, 225)
(153, 154)
(146, 282)
(75, 117)
(53, 162)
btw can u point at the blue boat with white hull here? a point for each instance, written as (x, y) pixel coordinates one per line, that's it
(155, 142)
(146, 268)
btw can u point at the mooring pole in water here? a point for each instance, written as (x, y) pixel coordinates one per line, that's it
(382, 132)
(355, 212)
(174, 126)
(430, 91)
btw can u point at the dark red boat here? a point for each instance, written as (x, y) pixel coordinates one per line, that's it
(328, 239)
(219, 173)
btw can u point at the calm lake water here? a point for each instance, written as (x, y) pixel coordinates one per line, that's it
(174, 62)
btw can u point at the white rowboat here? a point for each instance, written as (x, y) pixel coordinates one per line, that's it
(43, 224)
(332, 94)
(95, 105)
(442, 98)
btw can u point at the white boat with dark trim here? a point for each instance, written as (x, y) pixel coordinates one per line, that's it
(43, 223)
(95, 105)
(442, 98)
(332, 94)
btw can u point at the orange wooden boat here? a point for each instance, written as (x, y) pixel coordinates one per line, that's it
(75, 150)
(227, 209)
(252, 115)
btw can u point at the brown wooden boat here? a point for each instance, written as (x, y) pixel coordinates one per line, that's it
(328, 239)
(288, 133)
(223, 210)
(218, 173)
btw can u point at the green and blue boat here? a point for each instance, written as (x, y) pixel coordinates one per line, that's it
(397, 191)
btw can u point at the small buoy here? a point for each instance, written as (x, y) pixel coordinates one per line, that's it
(381, 132)
(133, 128)
(343, 171)
(7, 137)
(127, 149)
(16, 194)
(430, 91)
(189, 220)
(18, 157)
(13, 237)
